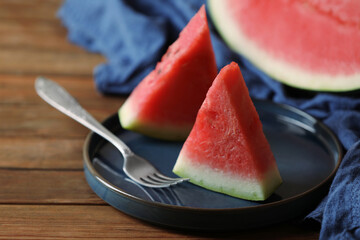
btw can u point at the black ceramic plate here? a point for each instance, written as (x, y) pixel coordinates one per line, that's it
(307, 154)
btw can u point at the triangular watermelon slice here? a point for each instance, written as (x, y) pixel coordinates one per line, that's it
(164, 105)
(227, 150)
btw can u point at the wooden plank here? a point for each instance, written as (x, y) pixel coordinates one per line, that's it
(40, 122)
(18, 35)
(19, 90)
(33, 61)
(38, 45)
(24, 114)
(34, 42)
(105, 222)
(41, 153)
(43, 122)
(41, 35)
(23, 186)
(35, 135)
(34, 9)
(14, 26)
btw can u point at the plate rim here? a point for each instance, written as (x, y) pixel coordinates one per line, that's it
(110, 186)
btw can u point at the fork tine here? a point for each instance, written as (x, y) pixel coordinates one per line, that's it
(161, 176)
(151, 181)
(158, 180)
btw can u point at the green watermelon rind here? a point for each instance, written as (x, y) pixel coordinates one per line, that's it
(130, 122)
(279, 70)
(228, 184)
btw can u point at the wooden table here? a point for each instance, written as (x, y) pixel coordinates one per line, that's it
(43, 193)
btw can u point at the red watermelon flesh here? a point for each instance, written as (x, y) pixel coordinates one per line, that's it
(164, 105)
(309, 44)
(227, 150)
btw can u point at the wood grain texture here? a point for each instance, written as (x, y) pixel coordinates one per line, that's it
(33, 41)
(35, 118)
(30, 10)
(24, 186)
(18, 90)
(104, 222)
(42, 62)
(41, 153)
(43, 193)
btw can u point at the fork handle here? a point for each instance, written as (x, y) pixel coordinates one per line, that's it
(60, 99)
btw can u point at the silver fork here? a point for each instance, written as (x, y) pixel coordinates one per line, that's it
(137, 168)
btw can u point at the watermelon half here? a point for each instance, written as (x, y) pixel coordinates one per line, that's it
(308, 44)
(227, 150)
(164, 105)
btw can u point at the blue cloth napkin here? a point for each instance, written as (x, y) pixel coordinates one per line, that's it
(134, 34)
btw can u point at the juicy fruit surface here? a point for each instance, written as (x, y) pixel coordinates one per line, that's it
(166, 102)
(227, 141)
(230, 129)
(312, 50)
(314, 40)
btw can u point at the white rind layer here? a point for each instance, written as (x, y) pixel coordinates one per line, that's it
(280, 70)
(226, 183)
(129, 120)
(127, 115)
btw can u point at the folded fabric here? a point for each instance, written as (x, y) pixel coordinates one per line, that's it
(134, 34)
(339, 211)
